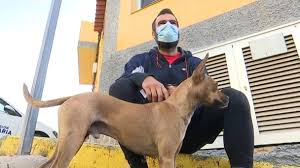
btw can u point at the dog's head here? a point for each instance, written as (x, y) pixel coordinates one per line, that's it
(205, 89)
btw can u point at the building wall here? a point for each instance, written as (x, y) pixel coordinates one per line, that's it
(86, 32)
(87, 49)
(246, 20)
(249, 19)
(135, 25)
(99, 64)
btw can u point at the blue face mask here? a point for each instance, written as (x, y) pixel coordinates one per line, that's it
(167, 33)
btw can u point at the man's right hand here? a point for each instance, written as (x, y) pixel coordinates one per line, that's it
(154, 90)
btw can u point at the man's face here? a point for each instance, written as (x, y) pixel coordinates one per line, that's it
(163, 19)
(167, 38)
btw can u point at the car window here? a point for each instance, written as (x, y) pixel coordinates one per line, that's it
(2, 108)
(10, 110)
(6, 108)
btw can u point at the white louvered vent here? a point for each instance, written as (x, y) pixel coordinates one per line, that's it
(275, 88)
(217, 69)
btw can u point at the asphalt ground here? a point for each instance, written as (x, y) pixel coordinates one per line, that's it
(21, 161)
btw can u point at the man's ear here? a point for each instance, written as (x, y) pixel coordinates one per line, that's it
(153, 34)
(199, 72)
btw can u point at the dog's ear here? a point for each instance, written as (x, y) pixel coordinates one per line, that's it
(199, 72)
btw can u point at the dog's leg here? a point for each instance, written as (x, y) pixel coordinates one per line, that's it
(166, 152)
(67, 149)
(167, 161)
(177, 151)
(49, 162)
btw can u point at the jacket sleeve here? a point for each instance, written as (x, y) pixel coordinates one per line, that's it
(135, 70)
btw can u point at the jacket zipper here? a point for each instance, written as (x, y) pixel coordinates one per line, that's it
(170, 65)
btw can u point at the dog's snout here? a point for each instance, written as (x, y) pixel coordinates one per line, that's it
(223, 102)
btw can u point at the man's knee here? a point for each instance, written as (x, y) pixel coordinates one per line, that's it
(122, 86)
(125, 89)
(232, 92)
(237, 99)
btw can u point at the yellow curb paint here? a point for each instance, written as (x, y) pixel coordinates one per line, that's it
(95, 156)
(9, 146)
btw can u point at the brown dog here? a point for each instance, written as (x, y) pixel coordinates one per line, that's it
(154, 129)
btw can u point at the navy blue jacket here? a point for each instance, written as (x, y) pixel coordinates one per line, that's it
(153, 63)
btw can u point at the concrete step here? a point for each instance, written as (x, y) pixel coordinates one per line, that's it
(93, 155)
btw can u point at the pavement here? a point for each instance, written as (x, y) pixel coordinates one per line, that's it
(94, 155)
(22, 161)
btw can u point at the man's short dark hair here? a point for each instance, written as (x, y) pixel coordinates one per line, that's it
(162, 12)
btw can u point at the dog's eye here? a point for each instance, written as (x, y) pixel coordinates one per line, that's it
(216, 85)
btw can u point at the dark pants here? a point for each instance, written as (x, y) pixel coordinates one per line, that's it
(204, 127)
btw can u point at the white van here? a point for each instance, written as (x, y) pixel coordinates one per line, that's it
(11, 122)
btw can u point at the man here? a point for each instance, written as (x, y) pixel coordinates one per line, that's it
(152, 76)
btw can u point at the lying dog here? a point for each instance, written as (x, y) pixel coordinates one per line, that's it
(154, 129)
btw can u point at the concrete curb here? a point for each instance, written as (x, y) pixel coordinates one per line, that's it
(92, 155)
(29, 161)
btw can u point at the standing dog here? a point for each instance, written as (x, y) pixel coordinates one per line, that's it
(154, 129)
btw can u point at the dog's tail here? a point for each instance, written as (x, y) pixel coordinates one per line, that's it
(41, 104)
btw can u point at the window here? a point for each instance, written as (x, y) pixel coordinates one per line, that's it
(146, 2)
(140, 4)
(10, 110)
(2, 108)
(6, 108)
(2, 105)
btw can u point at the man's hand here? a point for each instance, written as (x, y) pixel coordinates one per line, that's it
(154, 90)
(171, 89)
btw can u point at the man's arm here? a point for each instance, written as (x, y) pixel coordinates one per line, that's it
(135, 71)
